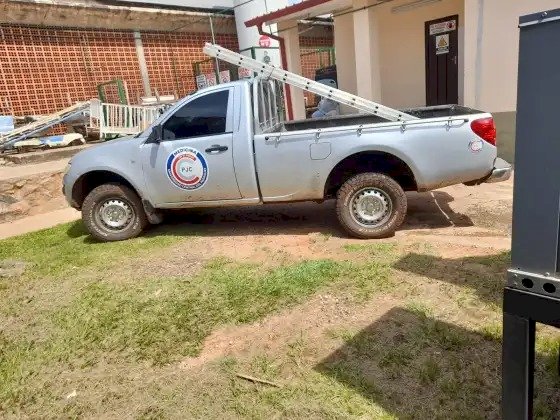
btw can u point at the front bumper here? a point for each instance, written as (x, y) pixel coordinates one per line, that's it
(502, 172)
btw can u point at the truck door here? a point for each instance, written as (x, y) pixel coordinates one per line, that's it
(194, 160)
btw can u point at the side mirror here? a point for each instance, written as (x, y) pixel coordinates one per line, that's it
(156, 135)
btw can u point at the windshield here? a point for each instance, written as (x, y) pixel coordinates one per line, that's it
(172, 108)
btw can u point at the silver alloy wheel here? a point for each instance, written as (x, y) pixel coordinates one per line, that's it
(115, 214)
(371, 207)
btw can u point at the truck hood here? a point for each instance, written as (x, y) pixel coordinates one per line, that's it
(119, 142)
(124, 146)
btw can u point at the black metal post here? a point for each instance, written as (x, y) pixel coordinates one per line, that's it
(532, 293)
(518, 365)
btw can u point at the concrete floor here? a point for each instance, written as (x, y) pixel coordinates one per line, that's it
(20, 171)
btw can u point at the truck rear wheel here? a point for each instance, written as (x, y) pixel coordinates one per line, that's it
(371, 206)
(113, 212)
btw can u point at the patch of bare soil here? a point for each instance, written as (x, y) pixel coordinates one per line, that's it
(326, 312)
(190, 255)
(28, 196)
(442, 220)
(272, 334)
(12, 268)
(453, 220)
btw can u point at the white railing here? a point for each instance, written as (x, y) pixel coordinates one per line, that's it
(118, 119)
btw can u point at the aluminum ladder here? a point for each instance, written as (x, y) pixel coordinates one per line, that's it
(43, 123)
(292, 79)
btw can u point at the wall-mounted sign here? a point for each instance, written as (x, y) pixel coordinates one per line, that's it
(225, 76)
(442, 44)
(205, 80)
(243, 73)
(211, 79)
(271, 56)
(447, 26)
(264, 41)
(201, 81)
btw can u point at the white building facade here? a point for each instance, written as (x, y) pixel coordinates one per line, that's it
(407, 53)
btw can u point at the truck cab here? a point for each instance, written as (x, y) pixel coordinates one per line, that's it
(188, 157)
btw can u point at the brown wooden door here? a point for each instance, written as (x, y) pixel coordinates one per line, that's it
(442, 77)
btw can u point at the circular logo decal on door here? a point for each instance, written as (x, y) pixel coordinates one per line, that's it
(187, 168)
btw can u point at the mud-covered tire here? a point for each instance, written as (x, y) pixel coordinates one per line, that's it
(387, 199)
(124, 200)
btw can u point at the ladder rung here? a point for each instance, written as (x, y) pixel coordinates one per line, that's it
(292, 79)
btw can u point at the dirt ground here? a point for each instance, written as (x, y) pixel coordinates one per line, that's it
(406, 327)
(449, 218)
(454, 222)
(30, 190)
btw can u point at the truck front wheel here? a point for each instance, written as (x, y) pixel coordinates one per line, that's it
(113, 212)
(371, 206)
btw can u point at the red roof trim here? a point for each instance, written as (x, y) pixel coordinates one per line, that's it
(259, 20)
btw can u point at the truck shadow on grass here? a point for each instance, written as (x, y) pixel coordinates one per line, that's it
(76, 229)
(417, 367)
(426, 211)
(485, 275)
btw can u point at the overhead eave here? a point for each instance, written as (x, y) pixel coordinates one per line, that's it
(304, 10)
(97, 14)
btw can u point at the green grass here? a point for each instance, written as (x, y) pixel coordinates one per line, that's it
(419, 308)
(172, 323)
(67, 248)
(309, 395)
(429, 371)
(375, 248)
(492, 331)
(74, 324)
(154, 320)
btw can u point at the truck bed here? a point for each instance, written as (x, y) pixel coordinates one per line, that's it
(362, 119)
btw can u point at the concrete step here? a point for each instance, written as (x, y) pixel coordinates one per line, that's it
(38, 222)
(13, 172)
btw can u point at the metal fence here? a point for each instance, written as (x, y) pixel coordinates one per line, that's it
(117, 119)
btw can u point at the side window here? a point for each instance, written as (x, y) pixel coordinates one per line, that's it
(203, 116)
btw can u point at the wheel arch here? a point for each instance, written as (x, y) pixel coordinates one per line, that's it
(371, 161)
(94, 178)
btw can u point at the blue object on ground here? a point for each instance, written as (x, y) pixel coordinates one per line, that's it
(6, 123)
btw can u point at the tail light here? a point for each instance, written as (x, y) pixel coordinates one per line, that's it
(485, 129)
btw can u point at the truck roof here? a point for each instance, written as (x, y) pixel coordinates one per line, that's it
(225, 85)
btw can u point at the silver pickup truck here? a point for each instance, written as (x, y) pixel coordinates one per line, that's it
(228, 145)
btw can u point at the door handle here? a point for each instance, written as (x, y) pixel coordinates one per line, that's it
(216, 148)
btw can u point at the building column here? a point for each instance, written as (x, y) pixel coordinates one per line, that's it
(345, 53)
(366, 48)
(473, 24)
(289, 31)
(142, 63)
